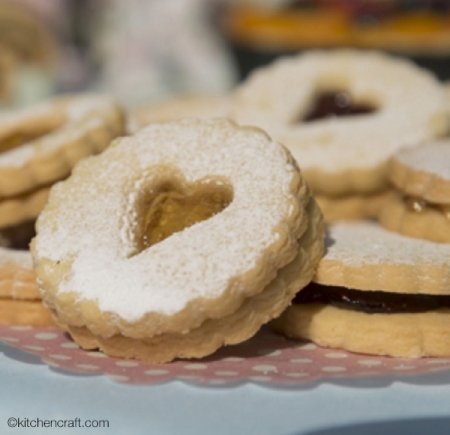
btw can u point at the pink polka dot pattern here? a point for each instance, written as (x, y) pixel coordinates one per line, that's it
(266, 359)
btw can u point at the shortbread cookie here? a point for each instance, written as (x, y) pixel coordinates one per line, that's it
(343, 114)
(195, 106)
(23, 207)
(20, 302)
(41, 144)
(185, 237)
(376, 292)
(422, 206)
(231, 329)
(19, 296)
(16, 312)
(351, 207)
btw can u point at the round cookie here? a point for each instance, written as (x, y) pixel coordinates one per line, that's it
(41, 144)
(193, 106)
(343, 114)
(18, 312)
(421, 207)
(376, 292)
(38, 146)
(23, 207)
(352, 207)
(190, 236)
(20, 302)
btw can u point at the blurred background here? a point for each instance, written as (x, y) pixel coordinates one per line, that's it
(147, 50)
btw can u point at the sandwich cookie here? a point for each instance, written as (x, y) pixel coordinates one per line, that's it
(375, 292)
(185, 237)
(421, 206)
(39, 146)
(343, 114)
(19, 296)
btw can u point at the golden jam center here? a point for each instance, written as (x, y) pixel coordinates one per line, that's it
(171, 210)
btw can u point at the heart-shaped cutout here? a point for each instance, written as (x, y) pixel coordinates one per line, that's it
(338, 103)
(174, 206)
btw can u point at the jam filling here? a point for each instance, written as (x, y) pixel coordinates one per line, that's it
(336, 103)
(419, 205)
(371, 302)
(172, 210)
(18, 236)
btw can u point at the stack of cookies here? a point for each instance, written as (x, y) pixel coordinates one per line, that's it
(39, 146)
(191, 234)
(366, 129)
(421, 204)
(175, 241)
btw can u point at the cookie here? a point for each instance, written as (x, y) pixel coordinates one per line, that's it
(376, 292)
(343, 114)
(421, 207)
(185, 237)
(193, 106)
(23, 207)
(352, 207)
(20, 302)
(41, 144)
(18, 312)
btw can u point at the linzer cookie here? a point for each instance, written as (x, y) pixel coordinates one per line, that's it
(185, 237)
(343, 114)
(23, 207)
(376, 292)
(193, 106)
(41, 144)
(421, 207)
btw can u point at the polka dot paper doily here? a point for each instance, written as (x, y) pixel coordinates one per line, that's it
(266, 359)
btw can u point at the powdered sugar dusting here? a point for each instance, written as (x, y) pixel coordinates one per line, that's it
(95, 225)
(88, 109)
(366, 243)
(433, 158)
(411, 107)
